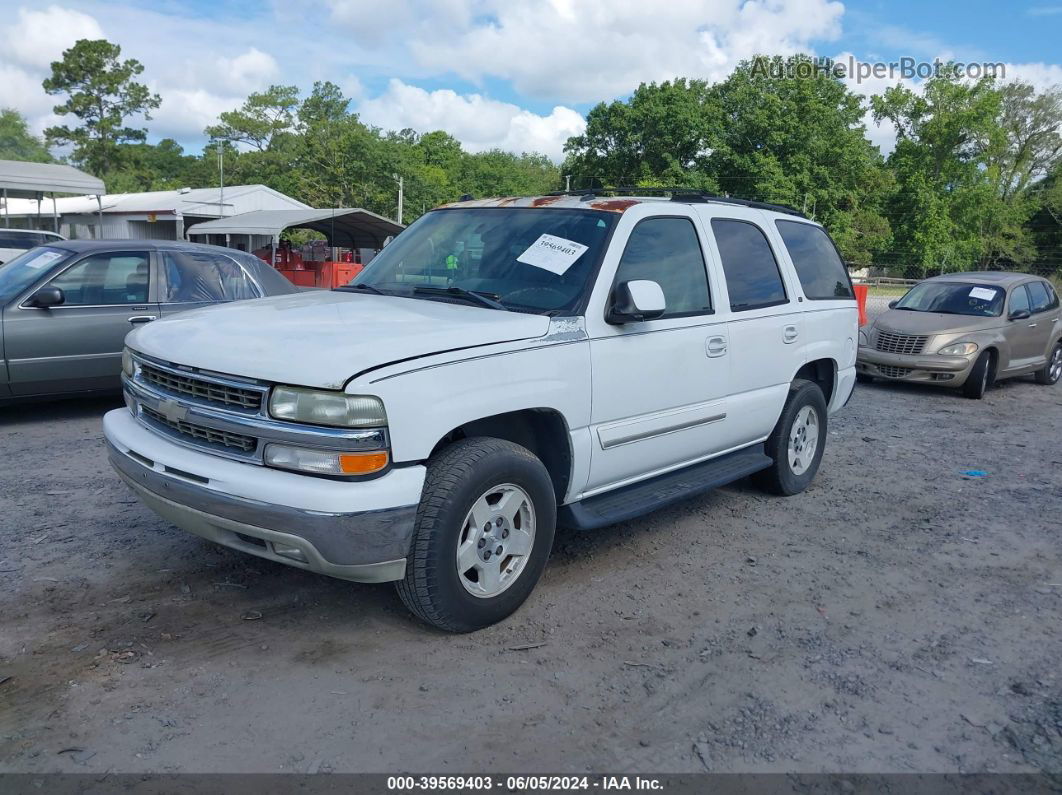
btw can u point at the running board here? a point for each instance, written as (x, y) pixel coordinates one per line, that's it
(641, 498)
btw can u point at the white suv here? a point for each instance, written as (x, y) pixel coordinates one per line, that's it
(502, 367)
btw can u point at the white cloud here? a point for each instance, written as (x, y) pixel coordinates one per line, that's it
(478, 122)
(39, 37)
(185, 112)
(1041, 75)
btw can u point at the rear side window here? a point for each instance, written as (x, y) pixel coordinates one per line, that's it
(752, 276)
(1053, 295)
(818, 266)
(198, 276)
(667, 251)
(1038, 295)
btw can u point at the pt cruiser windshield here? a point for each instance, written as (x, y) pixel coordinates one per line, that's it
(521, 259)
(954, 298)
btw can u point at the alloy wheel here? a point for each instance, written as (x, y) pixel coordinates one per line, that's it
(803, 440)
(496, 540)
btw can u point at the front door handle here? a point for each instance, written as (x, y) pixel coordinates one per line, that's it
(1032, 325)
(142, 318)
(789, 334)
(715, 347)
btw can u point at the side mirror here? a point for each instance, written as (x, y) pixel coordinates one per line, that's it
(46, 297)
(892, 304)
(635, 301)
(1019, 314)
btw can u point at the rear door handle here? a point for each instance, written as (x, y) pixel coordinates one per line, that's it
(142, 318)
(715, 347)
(789, 334)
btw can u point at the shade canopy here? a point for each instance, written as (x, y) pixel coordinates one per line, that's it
(353, 228)
(27, 180)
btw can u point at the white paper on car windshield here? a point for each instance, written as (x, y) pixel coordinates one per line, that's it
(42, 259)
(983, 293)
(554, 254)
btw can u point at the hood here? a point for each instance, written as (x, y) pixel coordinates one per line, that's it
(323, 338)
(904, 321)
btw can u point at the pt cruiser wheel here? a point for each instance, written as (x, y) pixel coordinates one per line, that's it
(797, 442)
(1052, 371)
(483, 532)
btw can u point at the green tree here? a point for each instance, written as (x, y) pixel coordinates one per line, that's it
(16, 140)
(264, 118)
(102, 94)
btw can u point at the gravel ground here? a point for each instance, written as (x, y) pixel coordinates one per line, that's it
(899, 616)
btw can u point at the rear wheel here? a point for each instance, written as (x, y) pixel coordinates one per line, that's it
(483, 532)
(1052, 371)
(980, 377)
(797, 442)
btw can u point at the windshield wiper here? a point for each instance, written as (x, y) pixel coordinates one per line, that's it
(489, 300)
(346, 288)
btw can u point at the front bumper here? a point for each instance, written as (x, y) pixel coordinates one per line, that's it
(929, 368)
(358, 531)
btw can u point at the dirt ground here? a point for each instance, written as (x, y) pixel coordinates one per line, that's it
(899, 616)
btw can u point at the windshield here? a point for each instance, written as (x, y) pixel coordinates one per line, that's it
(22, 271)
(531, 260)
(954, 298)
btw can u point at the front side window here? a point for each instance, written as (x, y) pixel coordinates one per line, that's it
(526, 259)
(106, 280)
(820, 270)
(752, 276)
(954, 298)
(1039, 297)
(1019, 299)
(667, 251)
(203, 276)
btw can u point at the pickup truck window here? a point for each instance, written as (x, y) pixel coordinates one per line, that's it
(498, 252)
(667, 251)
(752, 276)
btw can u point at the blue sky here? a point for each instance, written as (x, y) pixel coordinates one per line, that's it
(519, 74)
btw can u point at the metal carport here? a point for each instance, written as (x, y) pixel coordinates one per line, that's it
(19, 179)
(348, 228)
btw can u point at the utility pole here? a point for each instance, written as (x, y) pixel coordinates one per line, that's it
(567, 183)
(221, 169)
(401, 196)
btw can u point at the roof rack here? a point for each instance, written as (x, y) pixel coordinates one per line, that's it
(683, 195)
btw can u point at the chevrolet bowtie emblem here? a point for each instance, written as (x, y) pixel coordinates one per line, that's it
(172, 410)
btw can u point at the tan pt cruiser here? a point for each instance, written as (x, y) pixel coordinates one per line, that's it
(966, 330)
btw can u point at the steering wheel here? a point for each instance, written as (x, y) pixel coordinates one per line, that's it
(550, 291)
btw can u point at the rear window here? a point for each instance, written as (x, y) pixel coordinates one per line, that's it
(23, 241)
(821, 272)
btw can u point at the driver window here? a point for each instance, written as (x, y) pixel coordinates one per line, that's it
(1019, 299)
(105, 280)
(667, 251)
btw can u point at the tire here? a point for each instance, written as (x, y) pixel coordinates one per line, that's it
(863, 378)
(787, 476)
(980, 377)
(468, 473)
(1051, 372)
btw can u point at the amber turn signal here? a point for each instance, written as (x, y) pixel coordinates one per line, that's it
(362, 463)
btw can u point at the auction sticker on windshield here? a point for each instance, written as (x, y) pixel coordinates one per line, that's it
(983, 293)
(554, 254)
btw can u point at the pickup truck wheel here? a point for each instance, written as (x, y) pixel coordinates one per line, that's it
(1052, 371)
(483, 532)
(797, 442)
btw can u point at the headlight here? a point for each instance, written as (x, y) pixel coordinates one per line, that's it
(326, 408)
(324, 462)
(127, 362)
(958, 349)
(864, 339)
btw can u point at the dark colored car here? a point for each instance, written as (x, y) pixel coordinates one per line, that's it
(66, 307)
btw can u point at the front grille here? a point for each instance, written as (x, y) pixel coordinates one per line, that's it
(202, 434)
(893, 372)
(200, 388)
(888, 342)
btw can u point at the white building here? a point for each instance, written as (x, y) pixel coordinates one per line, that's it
(155, 215)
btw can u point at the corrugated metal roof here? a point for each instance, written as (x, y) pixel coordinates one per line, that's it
(27, 179)
(356, 228)
(186, 201)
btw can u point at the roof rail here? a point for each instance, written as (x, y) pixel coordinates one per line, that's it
(683, 195)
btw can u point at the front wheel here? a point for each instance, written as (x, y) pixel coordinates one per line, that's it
(483, 532)
(797, 442)
(980, 377)
(1052, 371)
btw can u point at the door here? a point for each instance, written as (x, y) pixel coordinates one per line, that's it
(192, 278)
(77, 345)
(659, 386)
(1041, 324)
(766, 329)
